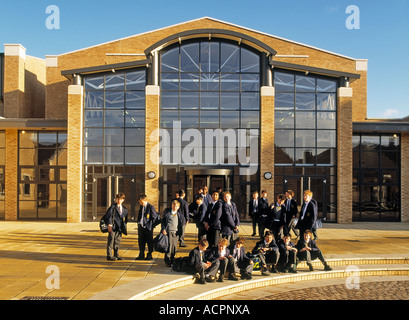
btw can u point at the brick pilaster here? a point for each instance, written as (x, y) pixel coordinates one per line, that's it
(152, 144)
(404, 193)
(267, 139)
(344, 154)
(74, 158)
(11, 175)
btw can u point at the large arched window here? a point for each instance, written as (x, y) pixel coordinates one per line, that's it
(210, 84)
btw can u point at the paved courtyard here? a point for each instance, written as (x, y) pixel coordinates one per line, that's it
(33, 254)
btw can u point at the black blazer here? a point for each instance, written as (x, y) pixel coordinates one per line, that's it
(118, 222)
(282, 246)
(309, 218)
(184, 210)
(150, 216)
(292, 213)
(215, 254)
(229, 219)
(263, 207)
(243, 256)
(165, 221)
(251, 209)
(214, 213)
(262, 245)
(301, 244)
(194, 257)
(199, 214)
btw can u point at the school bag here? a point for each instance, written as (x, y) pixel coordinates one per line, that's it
(161, 243)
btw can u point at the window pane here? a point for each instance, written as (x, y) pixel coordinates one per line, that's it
(250, 82)
(250, 62)
(370, 159)
(305, 120)
(189, 119)
(114, 155)
(370, 176)
(135, 118)
(115, 82)
(28, 174)
(250, 100)
(209, 53)
(370, 142)
(284, 119)
(326, 101)
(93, 155)
(305, 138)
(209, 100)
(210, 82)
(47, 157)
(189, 100)
(326, 138)
(28, 139)
(283, 81)
(136, 80)
(326, 120)
(114, 137)
(94, 99)
(114, 100)
(230, 82)
(93, 137)
(135, 99)
(284, 138)
(390, 142)
(28, 157)
(47, 140)
(27, 209)
(134, 137)
(114, 118)
(135, 155)
(284, 101)
(62, 140)
(189, 82)
(326, 156)
(305, 101)
(167, 117)
(324, 85)
(94, 83)
(305, 155)
(390, 159)
(284, 155)
(169, 81)
(170, 60)
(250, 119)
(304, 84)
(189, 57)
(229, 119)
(169, 100)
(230, 100)
(94, 118)
(230, 55)
(209, 119)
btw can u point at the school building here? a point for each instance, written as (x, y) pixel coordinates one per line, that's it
(204, 102)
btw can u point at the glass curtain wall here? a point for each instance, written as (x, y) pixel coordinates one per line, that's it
(42, 175)
(305, 134)
(376, 177)
(114, 139)
(212, 90)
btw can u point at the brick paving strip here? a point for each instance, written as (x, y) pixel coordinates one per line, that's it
(380, 290)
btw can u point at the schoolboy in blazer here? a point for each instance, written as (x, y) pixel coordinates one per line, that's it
(147, 216)
(307, 214)
(116, 218)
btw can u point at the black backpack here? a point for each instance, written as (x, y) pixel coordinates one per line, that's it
(181, 264)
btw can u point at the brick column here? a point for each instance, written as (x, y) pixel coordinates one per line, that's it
(404, 192)
(74, 157)
(152, 144)
(267, 139)
(11, 175)
(14, 80)
(344, 154)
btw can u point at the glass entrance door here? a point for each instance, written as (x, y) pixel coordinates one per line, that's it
(318, 185)
(105, 187)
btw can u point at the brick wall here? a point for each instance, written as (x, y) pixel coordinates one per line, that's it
(11, 175)
(405, 177)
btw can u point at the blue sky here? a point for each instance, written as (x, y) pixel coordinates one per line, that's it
(383, 37)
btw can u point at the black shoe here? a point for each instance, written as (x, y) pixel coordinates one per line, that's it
(200, 281)
(221, 278)
(182, 246)
(111, 259)
(148, 257)
(327, 268)
(119, 258)
(140, 257)
(210, 279)
(233, 277)
(274, 269)
(310, 267)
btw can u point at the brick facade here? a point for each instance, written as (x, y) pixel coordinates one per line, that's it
(35, 88)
